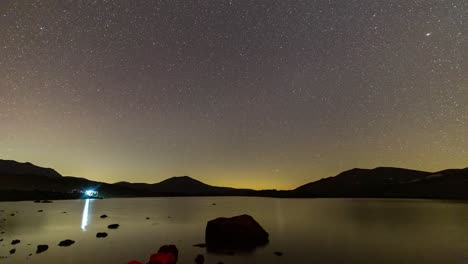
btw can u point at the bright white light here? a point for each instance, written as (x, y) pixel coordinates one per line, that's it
(84, 219)
(428, 34)
(89, 192)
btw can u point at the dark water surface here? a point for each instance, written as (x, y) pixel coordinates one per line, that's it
(306, 230)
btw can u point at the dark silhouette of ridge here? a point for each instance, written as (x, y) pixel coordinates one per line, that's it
(25, 181)
(184, 185)
(387, 182)
(11, 167)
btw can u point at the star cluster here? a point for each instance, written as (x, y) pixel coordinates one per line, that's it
(258, 94)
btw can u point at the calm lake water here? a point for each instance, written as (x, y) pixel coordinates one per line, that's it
(306, 230)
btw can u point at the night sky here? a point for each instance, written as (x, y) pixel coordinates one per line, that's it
(258, 94)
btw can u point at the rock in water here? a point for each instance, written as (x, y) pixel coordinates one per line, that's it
(66, 243)
(236, 233)
(200, 259)
(113, 226)
(200, 245)
(101, 234)
(279, 254)
(14, 242)
(12, 251)
(167, 254)
(103, 216)
(41, 248)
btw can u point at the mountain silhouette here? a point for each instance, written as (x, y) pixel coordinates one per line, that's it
(387, 182)
(361, 182)
(25, 181)
(14, 168)
(184, 185)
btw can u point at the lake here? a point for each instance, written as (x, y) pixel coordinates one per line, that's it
(305, 230)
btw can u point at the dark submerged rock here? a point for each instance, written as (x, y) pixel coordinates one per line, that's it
(200, 259)
(12, 215)
(236, 233)
(101, 234)
(46, 201)
(147, 218)
(41, 248)
(16, 241)
(12, 251)
(279, 254)
(113, 226)
(103, 216)
(66, 243)
(37, 201)
(201, 245)
(40, 211)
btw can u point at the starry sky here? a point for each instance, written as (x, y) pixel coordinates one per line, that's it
(259, 94)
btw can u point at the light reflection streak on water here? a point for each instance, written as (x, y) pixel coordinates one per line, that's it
(84, 219)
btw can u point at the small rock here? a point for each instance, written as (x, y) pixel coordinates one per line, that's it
(37, 201)
(41, 248)
(66, 243)
(147, 218)
(200, 259)
(279, 254)
(40, 211)
(12, 251)
(64, 212)
(46, 201)
(16, 241)
(213, 204)
(30, 254)
(1, 239)
(101, 234)
(113, 226)
(12, 215)
(201, 245)
(103, 216)
(169, 250)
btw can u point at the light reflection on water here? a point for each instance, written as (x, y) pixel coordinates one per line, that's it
(85, 216)
(352, 231)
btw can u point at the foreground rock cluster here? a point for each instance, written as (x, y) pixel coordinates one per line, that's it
(222, 235)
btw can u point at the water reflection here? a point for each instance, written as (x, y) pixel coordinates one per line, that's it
(85, 217)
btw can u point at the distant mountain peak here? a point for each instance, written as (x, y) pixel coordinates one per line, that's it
(11, 167)
(182, 180)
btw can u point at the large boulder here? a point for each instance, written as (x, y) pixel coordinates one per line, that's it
(236, 233)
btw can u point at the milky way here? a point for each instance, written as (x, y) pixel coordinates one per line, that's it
(259, 94)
